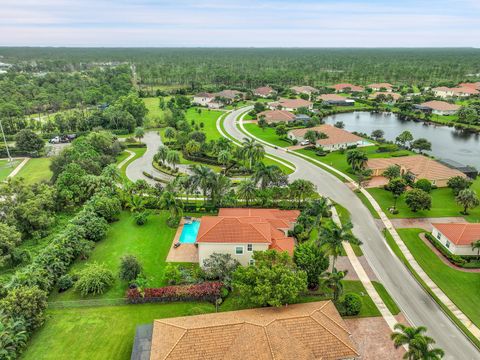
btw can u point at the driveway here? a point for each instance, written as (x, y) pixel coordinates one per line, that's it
(418, 307)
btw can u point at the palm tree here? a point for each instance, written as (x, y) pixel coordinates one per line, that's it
(332, 238)
(170, 133)
(186, 183)
(247, 190)
(139, 133)
(201, 178)
(300, 189)
(265, 174)
(224, 158)
(162, 154)
(405, 334)
(136, 203)
(169, 202)
(418, 343)
(476, 246)
(220, 186)
(252, 151)
(357, 159)
(173, 158)
(333, 281)
(468, 199)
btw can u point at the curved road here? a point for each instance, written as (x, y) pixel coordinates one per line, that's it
(416, 304)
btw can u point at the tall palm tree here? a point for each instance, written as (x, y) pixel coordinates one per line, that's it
(300, 189)
(418, 343)
(357, 159)
(173, 158)
(247, 190)
(333, 281)
(265, 174)
(252, 151)
(224, 158)
(332, 238)
(161, 154)
(186, 183)
(169, 202)
(220, 185)
(201, 178)
(405, 334)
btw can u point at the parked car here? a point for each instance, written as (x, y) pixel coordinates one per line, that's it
(62, 139)
(305, 142)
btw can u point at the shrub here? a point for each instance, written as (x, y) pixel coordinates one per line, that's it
(130, 268)
(172, 274)
(352, 304)
(141, 217)
(107, 207)
(455, 259)
(94, 279)
(92, 226)
(387, 148)
(424, 184)
(65, 282)
(220, 267)
(208, 291)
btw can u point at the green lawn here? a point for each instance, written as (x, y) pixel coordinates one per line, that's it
(387, 299)
(267, 134)
(36, 170)
(208, 118)
(154, 111)
(461, 287)
(122, 156)
(344, 216)
(100, 332)
(150, 243)
(6, 167)
(443, 204)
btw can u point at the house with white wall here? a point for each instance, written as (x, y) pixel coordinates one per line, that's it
(457, 238)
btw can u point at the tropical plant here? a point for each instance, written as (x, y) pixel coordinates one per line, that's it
(13, 336)
(417, 199)
(169, 202)
(139, 133)
(417, 342)
(476, 246)
(392, 172)
(310, 258)
(397, 187)
(220, 267)
(269, 175)
(332, 237)
(130, 268)
(357, 159)
(333, 281)
(301, 189)
(202, 178)
(458, 183)
(162, 154)
(247, 190)
(468, 199)
(173, 158)
(94, 279)
(252, 151)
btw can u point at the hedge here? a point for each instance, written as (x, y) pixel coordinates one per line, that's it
(207, 291)
(454, 259)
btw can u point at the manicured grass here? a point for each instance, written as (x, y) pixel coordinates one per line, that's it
(267, 134)
(387, 299)
(443, 204)
(286, 170)
(153, 107)
(344, 216)
(100, 332)
(367, 204)
(6, 167)
(138, 153)
(368, 306)
(461, 287)
(150, 243)
(208, 118)
(36, 170)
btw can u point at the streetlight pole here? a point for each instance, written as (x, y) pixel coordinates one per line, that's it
(5, 141)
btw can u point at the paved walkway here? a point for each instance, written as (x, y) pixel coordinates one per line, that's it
(424, 223)
(18, 168)
(183, 253)
(131, 155)
(344, 263)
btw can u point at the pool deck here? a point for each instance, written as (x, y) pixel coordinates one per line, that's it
(183, 253)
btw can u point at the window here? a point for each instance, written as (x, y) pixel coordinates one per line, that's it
(447, 244)
(249, 247)
(439, 236)
(239, 250)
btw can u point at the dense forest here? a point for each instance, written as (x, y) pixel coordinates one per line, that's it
(253, 67)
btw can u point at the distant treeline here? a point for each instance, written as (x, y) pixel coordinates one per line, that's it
(249, 68)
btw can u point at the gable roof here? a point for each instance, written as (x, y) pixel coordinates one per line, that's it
(335, 135)
(421, 166)
(301, 331)
(291, 103)
(229, 94)
(264, 90)
(395, 96)
(304, 89)
(380, 85)
(352, 87)
(276, 115)
(332, 97)
(440, 105)
(460, 233)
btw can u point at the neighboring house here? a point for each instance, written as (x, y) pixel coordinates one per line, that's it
(419, 166)
(264, 92)
(381, 87)
(475, 85)
(394, 96)
(438, 107)
(457, 238)
(241, 231)
(203, 98)
(290, 104)
(337, 100)
(336, 138)
(347, 87)
(463, 90)
(276, 116)
(231, 95)
(211, 100)
(307, 90)
(306, 331)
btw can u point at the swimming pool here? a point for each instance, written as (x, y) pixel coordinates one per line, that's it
(189, 232)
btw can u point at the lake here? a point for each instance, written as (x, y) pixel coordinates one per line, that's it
(447, 143)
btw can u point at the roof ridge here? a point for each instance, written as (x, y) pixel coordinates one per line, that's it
(463, 231)
(206, 232)
(175, 345)
(343, 342)
(268, 342)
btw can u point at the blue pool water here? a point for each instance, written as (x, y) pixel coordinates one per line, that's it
(189, 232)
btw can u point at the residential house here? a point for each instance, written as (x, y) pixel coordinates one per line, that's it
(335, 138)
(418, 166)
(391, 96)
(213, 100)
(290, 104)
(460, 91)
(231, 95)
(241, 231)
(337, 100)
(347, 88)
(277, 116)
(305, 331)
(457, 238)
(203, 98)
(307, 90)
(438, 107)
(475, 85)
(264, 92)
(381, 87)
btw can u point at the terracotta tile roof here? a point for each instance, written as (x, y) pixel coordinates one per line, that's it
(380, 85)
(264, 90)
(291, 103)
(421, 166)
(205, 95)
(335, 135)
(302, 331)
(475, 85)
(461, 89)
(395, 96)
(273, 116)
(458, 233)
(352, 87)
(229, 94)
(332, 97)
(304, 89)
(440, 105)
(248, 226)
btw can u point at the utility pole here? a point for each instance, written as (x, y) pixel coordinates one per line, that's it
(5, 141)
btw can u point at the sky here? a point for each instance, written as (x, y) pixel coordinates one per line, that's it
(240, 23)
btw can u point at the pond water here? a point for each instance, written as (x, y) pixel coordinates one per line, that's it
(447, 143)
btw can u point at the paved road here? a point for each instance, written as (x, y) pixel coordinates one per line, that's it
(415, 303)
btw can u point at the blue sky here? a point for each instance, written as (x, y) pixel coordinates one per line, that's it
(241, 23)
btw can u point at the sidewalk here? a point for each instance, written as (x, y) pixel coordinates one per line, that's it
(18, 168)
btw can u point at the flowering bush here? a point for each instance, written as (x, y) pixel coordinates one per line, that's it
(205, 291)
